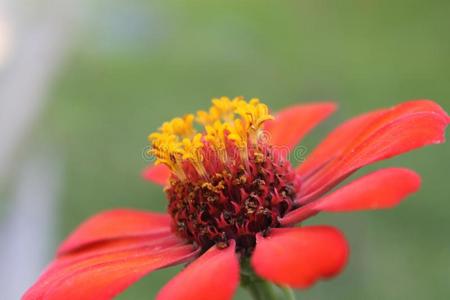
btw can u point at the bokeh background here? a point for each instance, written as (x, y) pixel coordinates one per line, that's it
(83, 83)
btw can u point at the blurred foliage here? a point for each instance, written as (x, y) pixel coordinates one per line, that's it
(139, 63)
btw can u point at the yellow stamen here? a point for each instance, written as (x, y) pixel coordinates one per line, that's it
(216, 135)
(167, 150)
(192, 152)
(254, 115)
(182, 127)
(239, 135)
(236, 121)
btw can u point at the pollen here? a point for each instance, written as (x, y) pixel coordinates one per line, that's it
(227, 182)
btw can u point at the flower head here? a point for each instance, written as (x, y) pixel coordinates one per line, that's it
(233, 198)
(227, 183)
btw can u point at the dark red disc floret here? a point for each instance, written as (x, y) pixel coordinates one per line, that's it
(236, 202)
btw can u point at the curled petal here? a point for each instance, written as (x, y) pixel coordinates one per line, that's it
(372, 137)
(382, 189)
(214, 275)
(336, 142)
(298, 257)
(114, 224)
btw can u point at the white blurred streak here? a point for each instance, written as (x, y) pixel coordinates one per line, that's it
(6, 42)
(34, 36)
(41, 31)
(27, 230)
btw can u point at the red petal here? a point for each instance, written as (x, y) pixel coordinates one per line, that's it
(112, 247)
(159, 174)
(337, 141)
(298, 257)
(384, 134)
(119, 223)
(215, 275)
(101, 275)
(381, 189)
(293, 123)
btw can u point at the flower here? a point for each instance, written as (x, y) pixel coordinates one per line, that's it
(234, 197)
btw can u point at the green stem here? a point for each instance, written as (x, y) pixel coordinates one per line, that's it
(288, 293)
(261, 289)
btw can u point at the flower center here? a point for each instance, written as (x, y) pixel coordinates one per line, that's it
(227, 181)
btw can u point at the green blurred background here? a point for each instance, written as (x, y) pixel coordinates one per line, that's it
(138, 63)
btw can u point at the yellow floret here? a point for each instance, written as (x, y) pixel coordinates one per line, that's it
(192, 152)
(254, 114)
(182, 127)
(168, 151)
(216, 136)
(233, 120)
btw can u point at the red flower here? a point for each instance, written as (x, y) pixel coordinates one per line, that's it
(242, 202)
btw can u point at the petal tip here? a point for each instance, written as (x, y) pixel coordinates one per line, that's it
(158, 174)
(299, 257)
